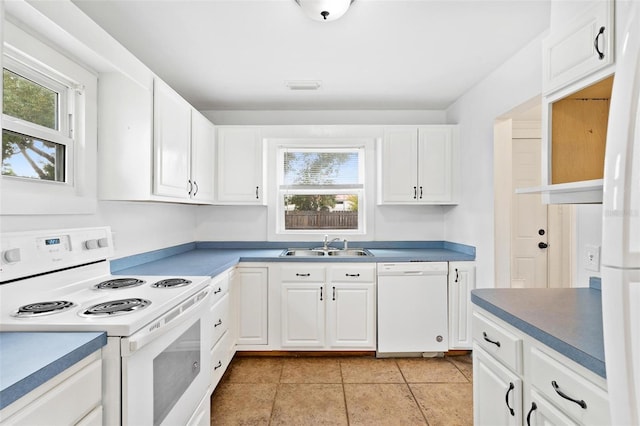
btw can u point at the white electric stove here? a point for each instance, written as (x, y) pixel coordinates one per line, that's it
(60, 281)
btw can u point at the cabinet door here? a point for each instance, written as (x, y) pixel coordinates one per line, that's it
(570, 54)
(497, 392)
(435, 164)
(202, 157)
(171, 142)
(399, 166)
(462, 279)
(542, 413)
(240, 169)
(251, 287)
(303, 315)
(351, 315)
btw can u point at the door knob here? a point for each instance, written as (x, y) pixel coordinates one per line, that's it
(540, 231)
(543, 245)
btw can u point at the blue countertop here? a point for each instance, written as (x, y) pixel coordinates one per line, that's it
(212, 258)
(29, 359)
(567, 320)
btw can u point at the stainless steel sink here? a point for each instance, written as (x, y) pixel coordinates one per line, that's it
(350, 252)
(301, 252)
(354, 252)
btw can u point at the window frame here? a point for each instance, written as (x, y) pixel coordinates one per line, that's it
(31, 70)
(275, 151)
(25, 52)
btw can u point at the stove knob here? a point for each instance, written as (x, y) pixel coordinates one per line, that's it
(91, 244)
(12, 255)
(103, 242)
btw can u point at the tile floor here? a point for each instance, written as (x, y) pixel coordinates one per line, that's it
(344, 391)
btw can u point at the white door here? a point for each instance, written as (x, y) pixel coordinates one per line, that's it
(529, 230)
(171, 142)
(399, 181)
(303, 315)
(462, 279)
(202, 157)
(351, 315)
(435, 161)
(251, 287)
(240, 168)
(497, 392)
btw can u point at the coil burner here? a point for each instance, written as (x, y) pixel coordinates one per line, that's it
(118, 283)
(116, 307)
(42, 308)
(171, 283)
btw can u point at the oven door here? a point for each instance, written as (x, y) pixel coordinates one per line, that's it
(165, 366)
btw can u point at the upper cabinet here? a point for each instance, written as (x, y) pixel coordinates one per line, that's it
(171, 142)
(418, 165)
(152, 145)
(579, 47)
(578, 67)
(240, 166)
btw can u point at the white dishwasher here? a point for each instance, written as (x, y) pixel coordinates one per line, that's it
(412, 307)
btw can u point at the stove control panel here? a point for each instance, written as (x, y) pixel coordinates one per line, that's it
(24, 254)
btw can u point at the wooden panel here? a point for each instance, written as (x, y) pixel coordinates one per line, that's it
(579, 132)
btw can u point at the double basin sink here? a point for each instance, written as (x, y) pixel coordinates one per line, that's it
(352, 252)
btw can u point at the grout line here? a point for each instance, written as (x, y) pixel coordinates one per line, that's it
(344, 394)
(424, 416)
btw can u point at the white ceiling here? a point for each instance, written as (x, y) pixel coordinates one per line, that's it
(382, 54)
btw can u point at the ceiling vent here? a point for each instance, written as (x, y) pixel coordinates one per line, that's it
(303, 84)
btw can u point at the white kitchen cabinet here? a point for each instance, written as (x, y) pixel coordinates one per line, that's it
(251, 286)
(169, 157)
(579, 47)
(328, 306)
(549, 388)
(240, 166)
(497, 392)
(202, 158)
(72, 397)
(418, 165)
(171, 142)
(462, 279)
(351, 307)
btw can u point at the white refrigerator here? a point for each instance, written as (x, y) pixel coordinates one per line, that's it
(621, 233)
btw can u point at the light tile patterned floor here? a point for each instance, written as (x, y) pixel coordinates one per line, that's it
(345, 391)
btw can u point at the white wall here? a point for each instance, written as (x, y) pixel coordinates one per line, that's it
(286, 117)
(137, 227)
(515, 82)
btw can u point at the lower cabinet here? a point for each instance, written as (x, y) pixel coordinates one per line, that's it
(251, 285)
(462, 279)
(327, 306)
(519, 380)
(74, 397)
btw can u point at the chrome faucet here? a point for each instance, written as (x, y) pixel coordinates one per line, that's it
(325, 246)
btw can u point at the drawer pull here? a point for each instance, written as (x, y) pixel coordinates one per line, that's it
(495, 342)
(595, 43)
(321, 294)
(506, 398)
(334, 293)
(534, 407)
(352, 275)
(218, 366)
(302, 275)
(218, 323)
(217, 290)
(556, 388)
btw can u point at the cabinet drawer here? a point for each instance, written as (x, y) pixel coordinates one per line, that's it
(303, 273)
(499, 342)
(357, 273)
(219, 359)
(591, 404)
(219, 287)
(219, 319)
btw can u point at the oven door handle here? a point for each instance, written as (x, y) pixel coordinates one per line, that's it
(167, 322)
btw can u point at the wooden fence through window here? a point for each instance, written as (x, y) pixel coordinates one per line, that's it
(320, 220)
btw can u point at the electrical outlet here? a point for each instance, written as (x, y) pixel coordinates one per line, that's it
(592, 258)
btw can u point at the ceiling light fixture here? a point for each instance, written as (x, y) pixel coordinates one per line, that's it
(324, 10)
